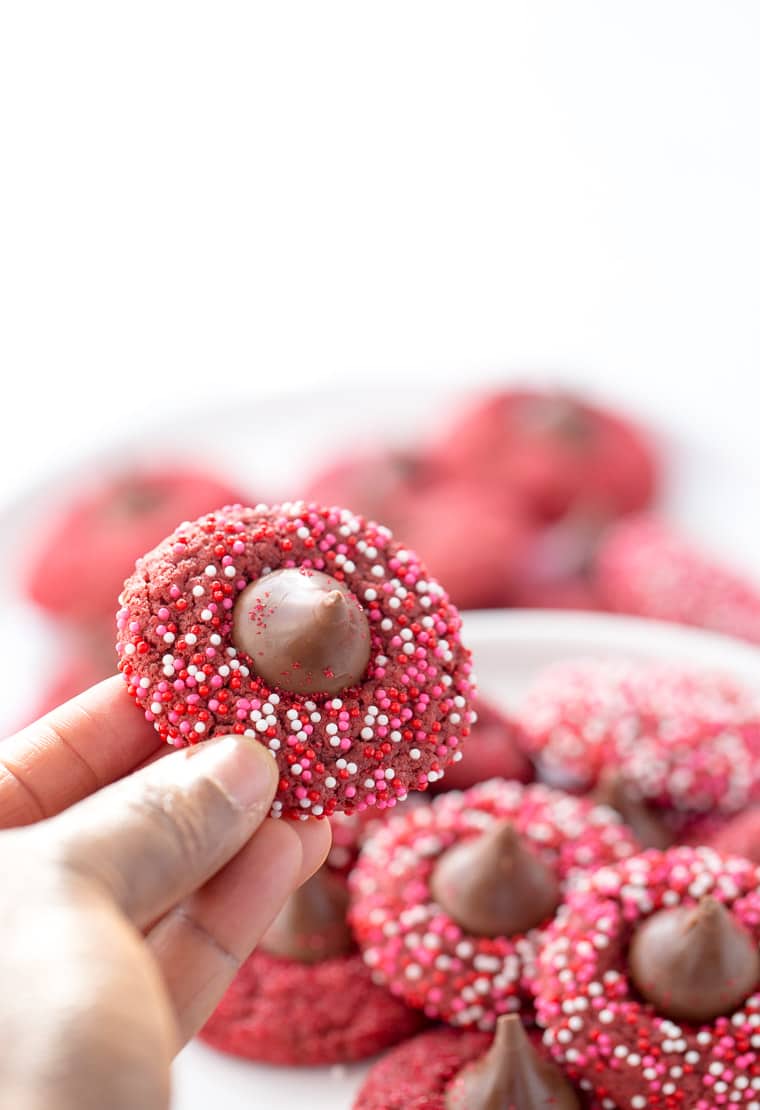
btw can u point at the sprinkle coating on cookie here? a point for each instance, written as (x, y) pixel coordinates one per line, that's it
(597, 1027)
(396, 730)
(644, 567)
(421, 953)
(689, 740)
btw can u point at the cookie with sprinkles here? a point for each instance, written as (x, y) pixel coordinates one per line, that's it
(686, 739)
(646, 568)
(312, 630)
(571, 719)
(305, 997)
(696, 747)
(350, 830)
(648, 984)
(449, 902)
(448, 1069)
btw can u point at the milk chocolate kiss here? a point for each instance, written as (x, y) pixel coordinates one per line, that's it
(312, 926)
(694, 963)
(304, 631)
(616, 791)
(511, 1076)
(494, 885)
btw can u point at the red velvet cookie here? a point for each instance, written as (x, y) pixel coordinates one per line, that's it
(571, 718)
(433, 516)
(648, 984)
(371, 483)
(474, 542)
(432, 913)
(652, 826)
(493, 750)
(558, 568)
(305, 997)
(697, 747)
(350, 830)
(688, 740)
(448, 1069)
(555, 451)
(312, 630)
(645, 568)
(93, 542)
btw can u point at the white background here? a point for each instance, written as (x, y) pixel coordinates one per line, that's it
(211, 200)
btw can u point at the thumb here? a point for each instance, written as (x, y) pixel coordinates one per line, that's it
(155, 837)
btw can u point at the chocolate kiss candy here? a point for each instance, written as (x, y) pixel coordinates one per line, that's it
(494, 885)
(511, 1076)
(312, 926)
(694, 963)
(615, 791)
(304, 631)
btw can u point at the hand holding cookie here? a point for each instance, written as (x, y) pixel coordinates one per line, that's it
(153, 887)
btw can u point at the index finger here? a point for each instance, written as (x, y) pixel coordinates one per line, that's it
(68, 754)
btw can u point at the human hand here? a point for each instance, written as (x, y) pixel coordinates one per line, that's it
(128, 903)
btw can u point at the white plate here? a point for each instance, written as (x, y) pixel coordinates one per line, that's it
(271, 446)
(508, 648)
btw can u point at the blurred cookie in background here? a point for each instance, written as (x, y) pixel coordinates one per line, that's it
(647, 568)
(554, 450)
(78, 564)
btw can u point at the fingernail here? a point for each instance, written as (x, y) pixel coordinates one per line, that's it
(242, 767)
